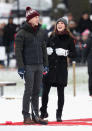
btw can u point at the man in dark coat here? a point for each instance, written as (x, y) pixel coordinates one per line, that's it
(8, 38)
(31, 55)
(88, 57)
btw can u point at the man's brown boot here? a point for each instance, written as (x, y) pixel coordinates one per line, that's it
(28, 121)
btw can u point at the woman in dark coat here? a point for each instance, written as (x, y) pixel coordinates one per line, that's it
(59, 46)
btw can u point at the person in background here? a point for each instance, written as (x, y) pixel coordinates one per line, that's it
(31, 56)
(1, 45)
(88, 56)
(44, 27)
(78, 47)
(84, 37)
(8, 39)
(73, 27)
(90, 1)
(60, 45)
(70, 16)
(51, 28)
(84, 23)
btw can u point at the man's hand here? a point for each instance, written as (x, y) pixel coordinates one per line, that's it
(46, 70)
(21, 73)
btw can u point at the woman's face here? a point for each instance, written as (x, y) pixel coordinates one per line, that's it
(60, 26)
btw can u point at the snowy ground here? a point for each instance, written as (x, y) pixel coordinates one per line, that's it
(76, 107)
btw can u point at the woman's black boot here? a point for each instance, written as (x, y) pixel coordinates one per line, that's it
(58, 116)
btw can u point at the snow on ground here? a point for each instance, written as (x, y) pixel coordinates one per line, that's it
(76, 107)
(45, 128)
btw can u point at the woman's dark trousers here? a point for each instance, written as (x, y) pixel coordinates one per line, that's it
(45, 98)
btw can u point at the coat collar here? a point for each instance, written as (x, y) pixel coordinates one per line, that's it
(29, 28)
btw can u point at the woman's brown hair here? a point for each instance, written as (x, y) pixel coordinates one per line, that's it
(66, 29)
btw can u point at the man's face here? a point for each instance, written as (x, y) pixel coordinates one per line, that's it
(34, 21)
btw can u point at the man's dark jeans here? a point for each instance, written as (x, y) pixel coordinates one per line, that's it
(33, 79)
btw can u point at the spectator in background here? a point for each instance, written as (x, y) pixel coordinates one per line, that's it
(73, 27)
(90, 1)
(1, 47)
(84, 23)
(51, 28)
(78, 47)
(44, 27)
(1, 36)
(84, 38)
(66, 3)
(8, 38)
(88, 57)
(70, 16)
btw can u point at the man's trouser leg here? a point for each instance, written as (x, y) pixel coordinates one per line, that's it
(36, 89)
(29, 81)
(33, 77)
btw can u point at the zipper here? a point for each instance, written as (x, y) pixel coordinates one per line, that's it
(35, 40)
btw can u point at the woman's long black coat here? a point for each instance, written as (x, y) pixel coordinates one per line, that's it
(58, 74)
